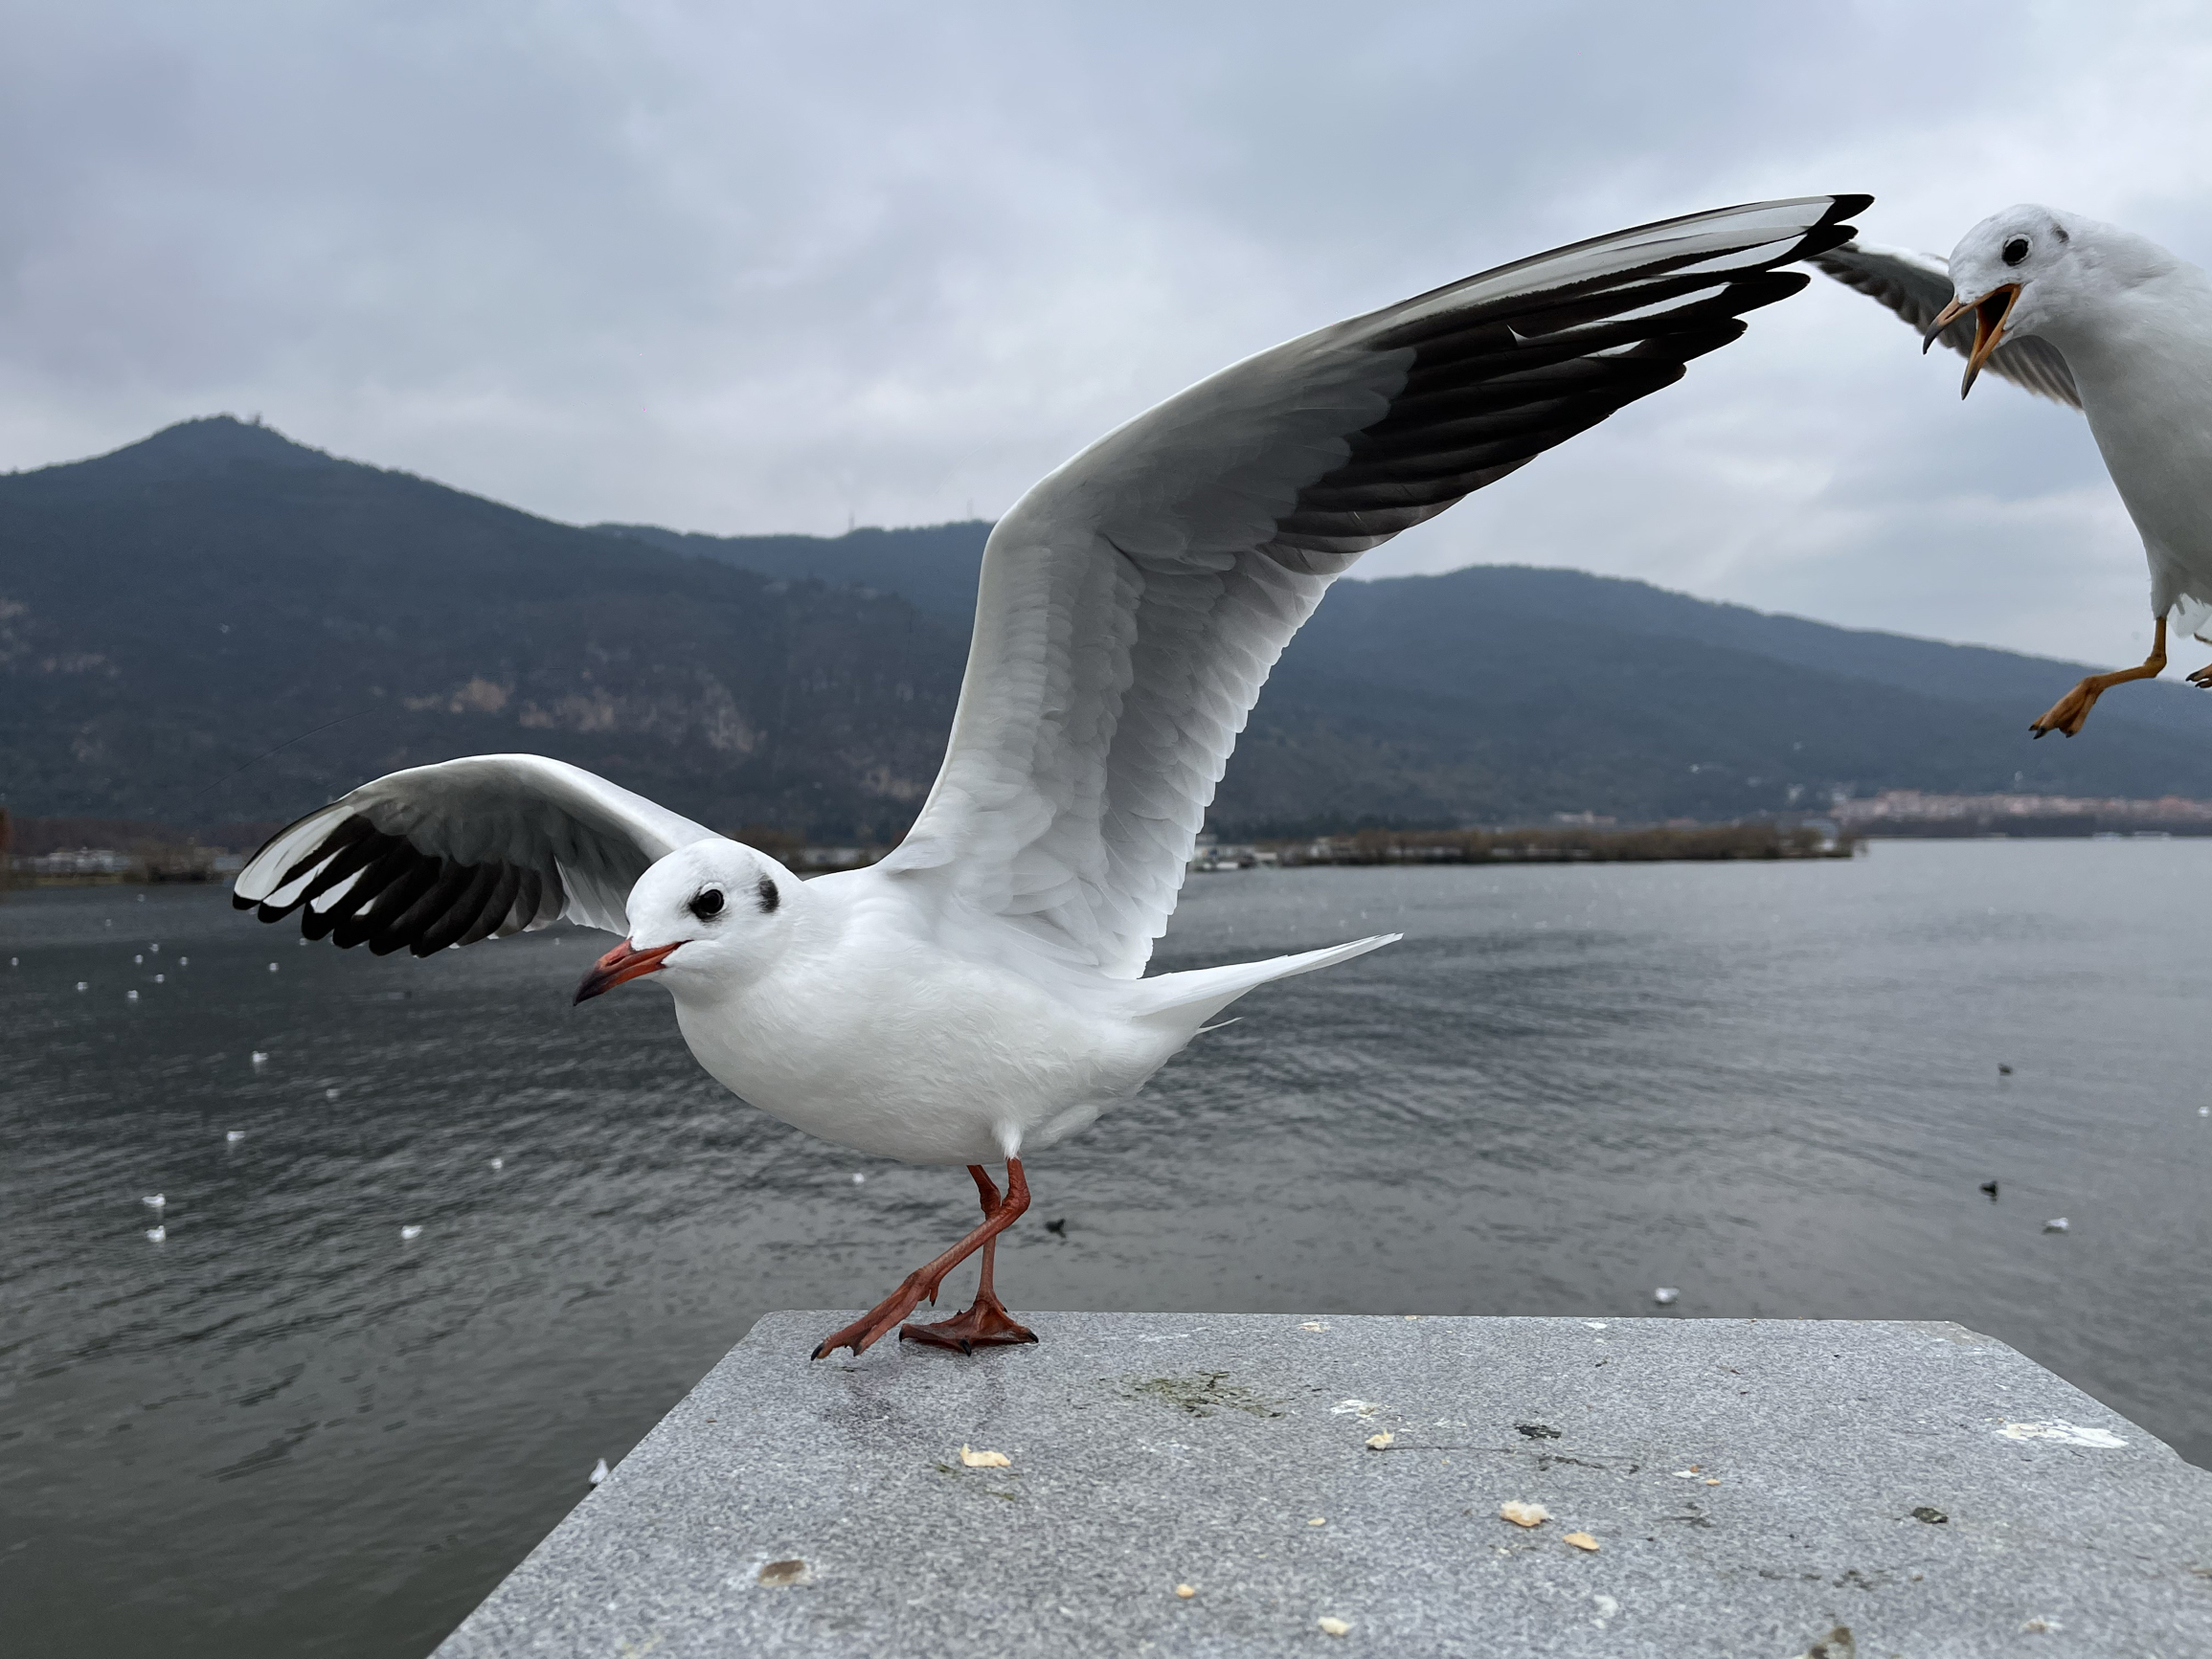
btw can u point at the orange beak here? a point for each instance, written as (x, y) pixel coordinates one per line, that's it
(1988, 314)
(623, 963)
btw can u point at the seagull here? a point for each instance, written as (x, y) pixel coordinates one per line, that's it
(2109, 322)
(978, 995)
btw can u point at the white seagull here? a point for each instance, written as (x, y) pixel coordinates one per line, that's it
(978, 995)
(2110, 322)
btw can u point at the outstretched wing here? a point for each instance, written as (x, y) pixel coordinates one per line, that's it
(1133, 602)
(466, 850)
(1917, 287)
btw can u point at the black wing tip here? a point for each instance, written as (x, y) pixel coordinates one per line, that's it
(1697, 343)
(1818, 240)
(1829, 231)
(1389, 476)
(1772, 290)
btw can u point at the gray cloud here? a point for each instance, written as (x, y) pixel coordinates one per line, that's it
(748, 270)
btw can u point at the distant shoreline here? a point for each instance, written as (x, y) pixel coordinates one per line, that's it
(185, 863)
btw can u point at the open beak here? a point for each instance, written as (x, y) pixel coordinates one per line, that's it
(623, 963)
(1988, 314)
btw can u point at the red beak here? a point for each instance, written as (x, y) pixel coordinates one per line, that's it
(623, 963)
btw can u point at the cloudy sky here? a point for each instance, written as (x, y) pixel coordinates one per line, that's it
(742, 268)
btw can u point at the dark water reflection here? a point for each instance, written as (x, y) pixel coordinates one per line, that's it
(286, 1430)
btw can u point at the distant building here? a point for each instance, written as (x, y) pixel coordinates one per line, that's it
(83, 861)
(1911, 811)
(1213, 854)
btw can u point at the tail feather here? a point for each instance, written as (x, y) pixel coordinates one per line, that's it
(1199, 993)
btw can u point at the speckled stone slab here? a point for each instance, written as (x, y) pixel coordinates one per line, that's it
(1333, 1485)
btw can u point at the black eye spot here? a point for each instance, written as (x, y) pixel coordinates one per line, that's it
(2016, 250)
(770, 898)
(707, 903)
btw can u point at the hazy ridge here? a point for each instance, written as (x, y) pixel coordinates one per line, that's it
(172, 611)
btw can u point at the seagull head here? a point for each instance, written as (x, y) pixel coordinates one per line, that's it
(709, 914)
(2008, 271)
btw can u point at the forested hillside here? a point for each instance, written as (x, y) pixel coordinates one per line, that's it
(174, 612)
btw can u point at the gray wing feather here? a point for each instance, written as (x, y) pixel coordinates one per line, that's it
(1917, 286)
(1134, 601)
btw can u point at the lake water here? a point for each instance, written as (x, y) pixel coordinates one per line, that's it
(286, 1430)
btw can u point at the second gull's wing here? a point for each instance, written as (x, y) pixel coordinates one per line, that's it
(1917, 287)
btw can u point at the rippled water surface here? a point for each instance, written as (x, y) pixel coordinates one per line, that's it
(286, 1430)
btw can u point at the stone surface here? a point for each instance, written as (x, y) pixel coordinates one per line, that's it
(1749, 1485)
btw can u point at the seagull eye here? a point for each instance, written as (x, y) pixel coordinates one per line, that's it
(707, 903)
(2016, 250)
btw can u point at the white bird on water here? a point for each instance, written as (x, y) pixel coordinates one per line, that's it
(979, 994)
(2110, 322)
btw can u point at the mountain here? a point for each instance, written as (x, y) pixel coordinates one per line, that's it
(933, 565)
(1533, 691)
(1500, 694)
(216, 624)
(172, 611)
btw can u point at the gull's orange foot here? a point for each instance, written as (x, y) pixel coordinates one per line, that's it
(2069, 712)
(2202, 677)
(985, 1325)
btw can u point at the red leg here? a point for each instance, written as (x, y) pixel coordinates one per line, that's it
(985, 1323)
(880, 1320)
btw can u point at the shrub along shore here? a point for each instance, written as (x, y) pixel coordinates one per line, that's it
(1576, 844)
(144, 859)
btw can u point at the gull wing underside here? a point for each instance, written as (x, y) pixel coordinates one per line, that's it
(465, 850)
(1134, 601)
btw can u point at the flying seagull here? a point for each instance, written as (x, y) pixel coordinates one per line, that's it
(978, 995)
(2112, 324)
